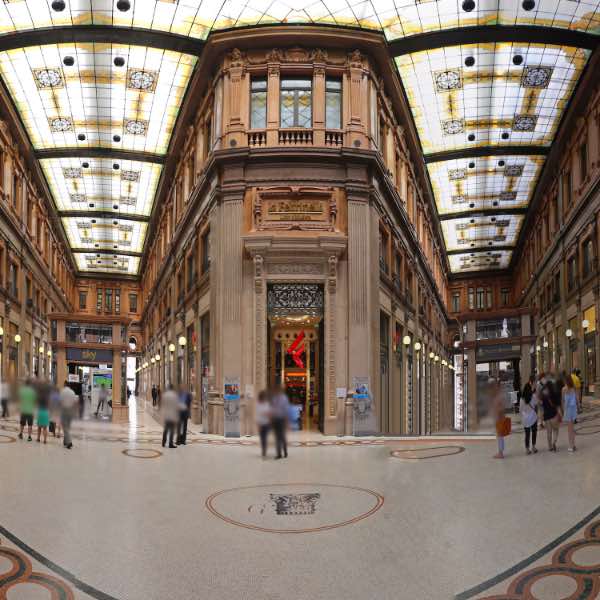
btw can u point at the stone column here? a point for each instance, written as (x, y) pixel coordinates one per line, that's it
(471, 416)
(525, 350)
(330, 404)
(273, 68)
(597, 342)
(358, 102)
(226, 273)
(61, 354)
(260, 332)
(318, 104)
(236, 94)
(363, 276)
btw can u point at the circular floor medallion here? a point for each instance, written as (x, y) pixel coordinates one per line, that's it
(6, 439)
(426, 452)
(294, 507)
(142, 452)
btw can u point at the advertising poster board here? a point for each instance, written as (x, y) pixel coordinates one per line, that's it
(363, 410)
(231, 406)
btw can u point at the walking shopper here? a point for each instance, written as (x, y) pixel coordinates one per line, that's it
(170, 410)
(529, 416)
(569, 402)
(551, 415)
(54, 405)
(154, 394)
(262, 412)
(4, 395)
(43, 413)
(68, 405)
(185, 407)
(503, 423)
(27, 399)
(280, 407)
(102, 395)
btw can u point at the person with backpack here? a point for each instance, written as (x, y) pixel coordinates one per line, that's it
(529, 418)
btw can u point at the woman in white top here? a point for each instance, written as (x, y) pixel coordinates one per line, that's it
(529, 417)
(262, 413)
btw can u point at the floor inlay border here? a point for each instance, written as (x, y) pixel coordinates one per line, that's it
(24, 573)
(403, 453)
(154, 453)
(10, 438)
(587, 578)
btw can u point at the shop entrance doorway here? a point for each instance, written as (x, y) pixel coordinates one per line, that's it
(296, 350)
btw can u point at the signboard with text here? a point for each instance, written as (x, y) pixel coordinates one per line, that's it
(92, 355)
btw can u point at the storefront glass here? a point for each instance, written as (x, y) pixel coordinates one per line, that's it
(498, 328)
(82, 333)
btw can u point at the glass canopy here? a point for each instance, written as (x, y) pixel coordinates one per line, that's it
(396, 18)
(75, 96)
(468, 103)
(486, 113)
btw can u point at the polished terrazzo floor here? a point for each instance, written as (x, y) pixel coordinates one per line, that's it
(119, 517)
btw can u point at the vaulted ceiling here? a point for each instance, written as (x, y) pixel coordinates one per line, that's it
(98, 85)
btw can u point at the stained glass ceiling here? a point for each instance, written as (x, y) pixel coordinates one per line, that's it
(396, 18)
(101, 114)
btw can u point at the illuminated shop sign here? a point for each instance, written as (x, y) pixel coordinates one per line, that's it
(89, 355)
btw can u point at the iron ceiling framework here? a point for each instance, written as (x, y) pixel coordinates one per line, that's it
(99, 86)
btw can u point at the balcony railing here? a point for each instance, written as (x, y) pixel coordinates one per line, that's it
(334, 138)
(295, 137)
(257, 139)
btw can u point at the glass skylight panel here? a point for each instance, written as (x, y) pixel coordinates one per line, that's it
(105, 234)
(481, 231)
(95, 184)
(397, 18)
(460, 104)
(73, 95)
(412, 17)
(116, 264)
(480, 261)
(490, 182)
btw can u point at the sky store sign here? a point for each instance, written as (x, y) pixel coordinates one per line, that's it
(89, 355)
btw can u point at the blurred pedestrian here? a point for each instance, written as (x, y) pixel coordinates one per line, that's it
(280, 407)
(185, 407)
(154, 394)
(54, 406)
(68, 406)
(43, 412)
(262, 412)
(4, 396)
(102, 396)
(528, 410)
(569, 403)
(503, 423)
(27, 401)
(170, 410)
(551, 414)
